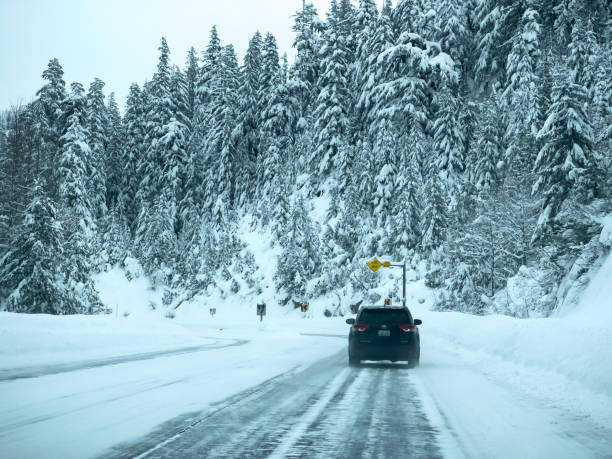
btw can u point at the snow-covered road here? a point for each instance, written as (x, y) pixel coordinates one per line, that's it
(288, 394)
(327, 410)
(443, 409)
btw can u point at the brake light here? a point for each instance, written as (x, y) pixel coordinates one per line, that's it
(407, 328)
(361, 327)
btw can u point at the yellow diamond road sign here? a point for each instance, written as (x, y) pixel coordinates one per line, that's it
(375, 264)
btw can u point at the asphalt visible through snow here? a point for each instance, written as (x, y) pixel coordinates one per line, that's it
(36, 371)
(327, 410)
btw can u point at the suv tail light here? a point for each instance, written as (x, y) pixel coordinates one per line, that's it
(407, 327)
(361, 327)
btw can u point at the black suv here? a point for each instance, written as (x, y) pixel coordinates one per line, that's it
(384, 333)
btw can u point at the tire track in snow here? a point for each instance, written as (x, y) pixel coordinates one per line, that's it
(340, 424)
(399, 425)
(378, 416)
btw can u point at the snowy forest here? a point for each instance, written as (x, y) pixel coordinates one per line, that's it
(472, 137)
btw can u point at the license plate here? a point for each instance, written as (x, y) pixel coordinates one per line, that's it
(384, 332)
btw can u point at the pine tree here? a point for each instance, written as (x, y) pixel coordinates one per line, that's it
(366, 25)
(403, 227)
(521, 75)
(221, 141)
(192, 74)
(97, 123)
(162, 166)
(565, 159)
(407, 70)
(73, 193)
(379, 40)
(155, 238)
(331, 113)
(275, 122)
(387, 164)
(116, 238)
(277, 134)
(133, 152)
(497, 25)
(21, 142)
(453, 34)
(299, 260)
(448, 137)
(196, 201)
(486, 173)
(211, 65)
(434, 215)
(77, 209)
(51, 97)
(249, 118)
(179, 97)
(408, 16)
(29, 272)
(270, 68)
(307, 28)
(115, 198)
(280, 205)
(178, 162)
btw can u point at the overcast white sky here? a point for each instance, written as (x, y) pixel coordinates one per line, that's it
(117, 40)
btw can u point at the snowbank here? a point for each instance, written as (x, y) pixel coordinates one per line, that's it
(35, 339)
(133, 327)
(566, 360)
(606, 233)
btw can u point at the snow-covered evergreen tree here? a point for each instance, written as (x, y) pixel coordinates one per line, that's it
(307, 28)
(155, 238)
(97, 125)
(489, 150)
(51, 97)
(453, 30)
(251, 107)
(522, 78)
(73, 192)
(192, 74)
(434, 218)
(300, 257)
(29, 272)
(404, 232)
(221, 140)
(331, 113)
(115, 197)
(565, 159)
(448, 136)
(133, 153)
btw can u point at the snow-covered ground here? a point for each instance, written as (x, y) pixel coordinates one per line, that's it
(505, 387)
(565, 360)
(82, 413)
(536, 387)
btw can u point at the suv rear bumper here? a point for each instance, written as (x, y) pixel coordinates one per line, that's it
(374, 351)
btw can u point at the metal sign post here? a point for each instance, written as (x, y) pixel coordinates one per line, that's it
(261, 310)
(376, 264)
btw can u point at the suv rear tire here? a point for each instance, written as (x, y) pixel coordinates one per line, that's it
(353, 362)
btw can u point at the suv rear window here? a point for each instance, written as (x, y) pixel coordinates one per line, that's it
(384, 316)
